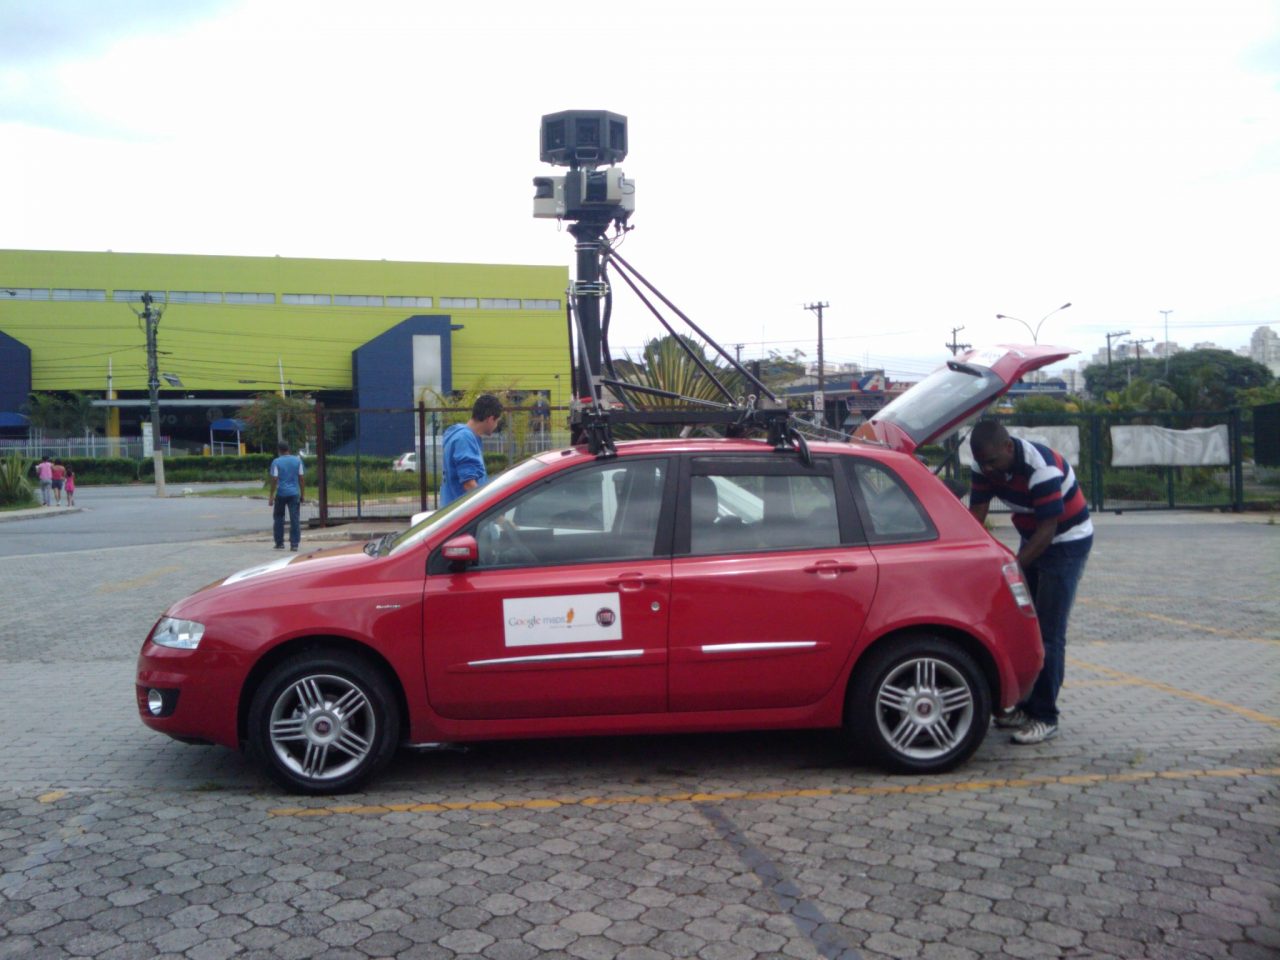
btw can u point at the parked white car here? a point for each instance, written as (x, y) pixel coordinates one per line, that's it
(406, 463)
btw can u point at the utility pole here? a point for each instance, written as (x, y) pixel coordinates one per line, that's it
(1166, 342)
(1110, 337)
(821, 395)
(738, 350)
(954, 347)
(1138, 344)
(151, 318)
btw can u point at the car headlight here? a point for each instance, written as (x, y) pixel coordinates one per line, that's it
(179, 634)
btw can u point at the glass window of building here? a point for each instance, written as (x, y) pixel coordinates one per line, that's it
(499, 303)
(26, 293)
(194, 296)
(409, 302)
(462, 302)
(540, 304)
(135, 296)
(251, 298)
(307, 299)
(357, 300)
(79, 294)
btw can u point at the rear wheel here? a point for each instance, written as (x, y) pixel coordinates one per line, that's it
(919, 704)
(323, 722)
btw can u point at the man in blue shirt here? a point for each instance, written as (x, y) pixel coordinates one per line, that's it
(287, 490)
(463, 454)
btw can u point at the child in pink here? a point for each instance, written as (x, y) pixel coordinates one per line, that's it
(71, 487)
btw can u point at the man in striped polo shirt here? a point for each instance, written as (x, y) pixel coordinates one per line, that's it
(1050, 513)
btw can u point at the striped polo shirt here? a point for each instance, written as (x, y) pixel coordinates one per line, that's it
(1039, 485)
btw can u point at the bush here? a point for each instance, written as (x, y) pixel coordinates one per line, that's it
(15, 488)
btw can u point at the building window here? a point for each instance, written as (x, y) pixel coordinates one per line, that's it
(466, 303)
(251, 298)
(540, 304)
(25, 293)
(307, 299)
(499, 303)
(135, 296)
(357, 300)
(78, 294)
(409, 302)
(194, 296)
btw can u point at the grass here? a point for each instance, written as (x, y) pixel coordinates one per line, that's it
(30, 505)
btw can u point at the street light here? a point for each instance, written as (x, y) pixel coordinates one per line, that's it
(1035, 334)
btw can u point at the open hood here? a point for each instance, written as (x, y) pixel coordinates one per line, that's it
(953, 393)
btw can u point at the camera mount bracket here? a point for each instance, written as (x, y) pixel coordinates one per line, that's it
(592, 201)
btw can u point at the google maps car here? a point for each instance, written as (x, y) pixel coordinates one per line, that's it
(682, 585)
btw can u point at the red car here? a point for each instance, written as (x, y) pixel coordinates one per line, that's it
(683, 585)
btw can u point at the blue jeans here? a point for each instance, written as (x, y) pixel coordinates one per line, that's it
(295, 534)
(1053, 579)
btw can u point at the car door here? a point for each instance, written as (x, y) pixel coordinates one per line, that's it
(771, 582)
(565, 614)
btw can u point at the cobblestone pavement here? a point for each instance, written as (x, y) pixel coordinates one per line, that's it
(1149, 828)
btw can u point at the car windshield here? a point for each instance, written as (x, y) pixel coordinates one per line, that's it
(495, 489)
(940, 398)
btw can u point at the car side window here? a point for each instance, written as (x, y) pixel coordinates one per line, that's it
(742, 512)
(893, 515)
(607, 511)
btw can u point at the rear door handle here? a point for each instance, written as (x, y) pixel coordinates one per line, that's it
(830, 567)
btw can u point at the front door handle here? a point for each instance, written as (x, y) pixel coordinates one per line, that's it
(633, 581)
(829, 568)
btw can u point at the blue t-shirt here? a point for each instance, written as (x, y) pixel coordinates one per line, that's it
(463, 461)
(287, 469)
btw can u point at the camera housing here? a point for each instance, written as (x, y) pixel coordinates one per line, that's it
(583, 138)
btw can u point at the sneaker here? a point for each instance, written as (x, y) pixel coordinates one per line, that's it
(279, 546)
(1011, 719)
(1036, 731)
(294, 548)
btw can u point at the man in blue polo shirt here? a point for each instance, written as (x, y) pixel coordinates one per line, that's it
(463, 454)
(1050, 513)
(288, 487)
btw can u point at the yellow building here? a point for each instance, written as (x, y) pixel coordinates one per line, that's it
(367, 334)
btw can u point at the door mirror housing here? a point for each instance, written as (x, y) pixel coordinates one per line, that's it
(462, 550)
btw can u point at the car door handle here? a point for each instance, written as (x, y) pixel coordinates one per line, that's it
(831, 567)
(633, 581)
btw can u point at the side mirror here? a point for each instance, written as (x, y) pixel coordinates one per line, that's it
(461, 550)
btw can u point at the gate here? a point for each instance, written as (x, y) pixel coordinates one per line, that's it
(381, 463)
(1152, 460)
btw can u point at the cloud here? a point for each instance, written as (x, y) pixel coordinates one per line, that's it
(32, 33)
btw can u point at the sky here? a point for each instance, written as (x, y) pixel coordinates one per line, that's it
(919, 165)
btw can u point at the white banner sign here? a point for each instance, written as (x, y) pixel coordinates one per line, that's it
(1066, 440)
(1148, 446)
(581, 618)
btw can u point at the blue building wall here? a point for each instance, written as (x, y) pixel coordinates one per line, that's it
(15, 374)
(382, 377)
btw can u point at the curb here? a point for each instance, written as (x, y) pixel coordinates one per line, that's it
(37, 512)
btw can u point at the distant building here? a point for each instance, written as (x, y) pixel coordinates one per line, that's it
(1264, 348)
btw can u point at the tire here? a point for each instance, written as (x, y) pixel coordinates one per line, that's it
(323, 722)
(919, 704)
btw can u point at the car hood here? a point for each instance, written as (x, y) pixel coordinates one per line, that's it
(327, 560)
(959, 389)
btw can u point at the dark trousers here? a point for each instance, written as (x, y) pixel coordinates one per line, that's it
(277, 528)
(1052, 580)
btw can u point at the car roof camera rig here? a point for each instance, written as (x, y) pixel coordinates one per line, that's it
(594, 200)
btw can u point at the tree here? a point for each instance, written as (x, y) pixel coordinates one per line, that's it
(293, 416)
(781, 368)
(1202, 379)
(664, 365)
(71, 414)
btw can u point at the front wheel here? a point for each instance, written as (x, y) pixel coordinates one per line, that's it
(919, 704)
(323, 723)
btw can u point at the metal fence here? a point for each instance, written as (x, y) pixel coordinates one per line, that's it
(1153, 460)
(359, 471)
(80, 448)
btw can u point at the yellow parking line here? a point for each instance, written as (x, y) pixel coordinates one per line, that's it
(1176, 691)
(954, 786)
(1174, 621)
(145, 580)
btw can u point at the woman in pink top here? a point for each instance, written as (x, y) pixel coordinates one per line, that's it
(59, 475)
(71, 487)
